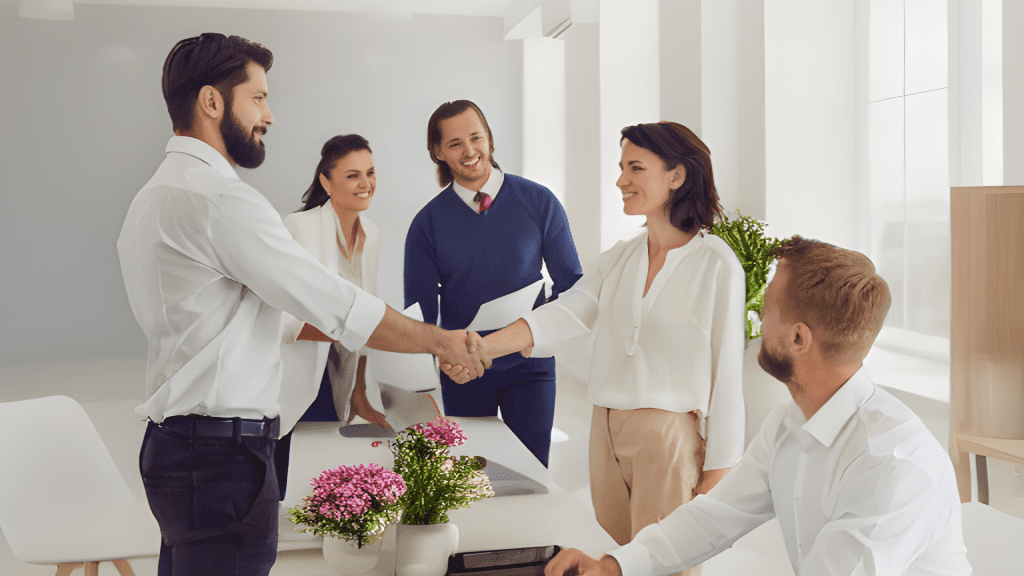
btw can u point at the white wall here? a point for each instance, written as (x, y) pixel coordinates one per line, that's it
(810, 111)
(84, 126)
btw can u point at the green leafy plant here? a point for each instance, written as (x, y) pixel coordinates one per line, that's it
(436, 481)
(746, 237)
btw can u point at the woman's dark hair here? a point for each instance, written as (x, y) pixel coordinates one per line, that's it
(444, 112)
(334, 149)
(695, 203)
(210, 59)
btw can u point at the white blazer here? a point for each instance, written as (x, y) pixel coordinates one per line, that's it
(303, 361)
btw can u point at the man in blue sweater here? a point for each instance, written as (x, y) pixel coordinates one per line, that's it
(484, 236)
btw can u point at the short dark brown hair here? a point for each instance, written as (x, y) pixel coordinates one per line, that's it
(695, 203)
(444, 112)
(210, 59)
(836, 293)
(333, 150)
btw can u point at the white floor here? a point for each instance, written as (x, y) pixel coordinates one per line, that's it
(110, 388)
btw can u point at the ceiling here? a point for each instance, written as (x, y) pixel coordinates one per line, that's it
(395, 7)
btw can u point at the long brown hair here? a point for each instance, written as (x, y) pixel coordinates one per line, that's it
(695, 202)
(444, 112)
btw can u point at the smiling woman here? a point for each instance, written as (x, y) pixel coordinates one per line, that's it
(325, 377)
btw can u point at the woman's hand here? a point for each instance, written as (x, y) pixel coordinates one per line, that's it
(361, 404)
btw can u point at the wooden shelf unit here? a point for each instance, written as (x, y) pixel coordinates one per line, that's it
(987, 331)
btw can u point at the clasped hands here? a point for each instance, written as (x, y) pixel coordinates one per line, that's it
(464, 354)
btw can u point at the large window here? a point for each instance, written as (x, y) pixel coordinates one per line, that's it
(909, 160)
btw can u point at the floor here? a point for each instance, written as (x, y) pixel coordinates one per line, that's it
(103, 386)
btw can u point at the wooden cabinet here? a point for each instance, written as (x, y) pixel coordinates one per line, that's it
(987, 331)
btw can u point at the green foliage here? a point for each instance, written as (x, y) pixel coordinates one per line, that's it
(436, 481)
(746, 237)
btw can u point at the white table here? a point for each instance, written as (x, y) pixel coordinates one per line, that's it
(493, 523)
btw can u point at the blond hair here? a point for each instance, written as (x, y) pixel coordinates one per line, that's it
(836, 293)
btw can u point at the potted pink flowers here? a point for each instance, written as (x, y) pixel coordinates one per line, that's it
(350, 507)
(436, 482)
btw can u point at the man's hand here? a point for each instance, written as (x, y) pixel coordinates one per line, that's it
(464, 353)
(461, 374)
(572, 562)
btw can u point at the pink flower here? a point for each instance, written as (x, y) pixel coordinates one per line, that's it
(442, 431)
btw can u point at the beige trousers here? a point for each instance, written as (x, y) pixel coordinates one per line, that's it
(643, 465)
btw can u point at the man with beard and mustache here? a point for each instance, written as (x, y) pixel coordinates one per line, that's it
(209, 266)
(858, 483)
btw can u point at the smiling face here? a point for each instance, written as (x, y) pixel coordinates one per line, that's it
(644, 182)
(246, 119)
(465, 148)
(351, 182)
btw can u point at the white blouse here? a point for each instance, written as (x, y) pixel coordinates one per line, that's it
(679, 348)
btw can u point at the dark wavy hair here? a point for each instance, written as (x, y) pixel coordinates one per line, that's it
(695, 203)
(444, 112)
(333, 150)
(210, 59)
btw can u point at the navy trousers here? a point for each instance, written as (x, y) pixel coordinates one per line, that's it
(216, 500)
(526, 397)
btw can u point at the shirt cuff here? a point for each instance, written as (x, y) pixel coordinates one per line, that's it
(549, 325)
(633, 559)
(366, 313)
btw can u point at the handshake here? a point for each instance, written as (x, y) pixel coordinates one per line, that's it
(473, 355)
(463, 356)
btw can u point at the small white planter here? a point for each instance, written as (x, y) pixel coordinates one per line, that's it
(423, 550)
(346, 557)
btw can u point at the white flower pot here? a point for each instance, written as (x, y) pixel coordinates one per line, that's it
(423, 550)
(346, 557)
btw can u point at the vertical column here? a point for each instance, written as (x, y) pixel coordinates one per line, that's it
(544, 113)
(630, 94)
(1013, 93)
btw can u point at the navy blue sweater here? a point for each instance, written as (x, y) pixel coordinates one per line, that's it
(469, 258)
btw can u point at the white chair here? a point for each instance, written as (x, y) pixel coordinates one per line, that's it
(64, 501)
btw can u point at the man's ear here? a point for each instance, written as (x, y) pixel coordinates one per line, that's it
(802, 339)
(210, 103)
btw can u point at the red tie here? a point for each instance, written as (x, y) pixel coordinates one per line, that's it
(484, 200)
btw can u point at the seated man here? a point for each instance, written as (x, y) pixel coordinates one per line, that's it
(859, 485)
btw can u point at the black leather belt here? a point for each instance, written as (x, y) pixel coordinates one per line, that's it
(210, 427)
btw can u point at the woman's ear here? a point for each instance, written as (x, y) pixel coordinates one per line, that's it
(325, 183)
(677, 177)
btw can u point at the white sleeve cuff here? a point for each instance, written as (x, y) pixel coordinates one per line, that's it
(366, 313)
(633, 559)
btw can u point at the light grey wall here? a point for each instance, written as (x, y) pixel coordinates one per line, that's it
(84, 126)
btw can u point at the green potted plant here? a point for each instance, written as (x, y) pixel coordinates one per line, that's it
(746, 237)
(436, 482)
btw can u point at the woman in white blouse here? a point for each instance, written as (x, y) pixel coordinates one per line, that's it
(667, 311)
(323, 381)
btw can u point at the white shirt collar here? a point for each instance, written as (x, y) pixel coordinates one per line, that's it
(203, 151)
(491, 187)
(830, 419)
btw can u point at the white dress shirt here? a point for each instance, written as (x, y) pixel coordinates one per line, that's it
(679, 348)
(861, 488)
(208, 266)
(491, 187)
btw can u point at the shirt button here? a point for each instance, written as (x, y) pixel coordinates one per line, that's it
(630, 350)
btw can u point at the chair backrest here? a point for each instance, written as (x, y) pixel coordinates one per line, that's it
(53, 464)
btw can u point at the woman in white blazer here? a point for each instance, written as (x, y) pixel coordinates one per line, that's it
(322, 381)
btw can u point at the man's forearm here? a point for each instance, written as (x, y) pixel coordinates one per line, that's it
(398, 333)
